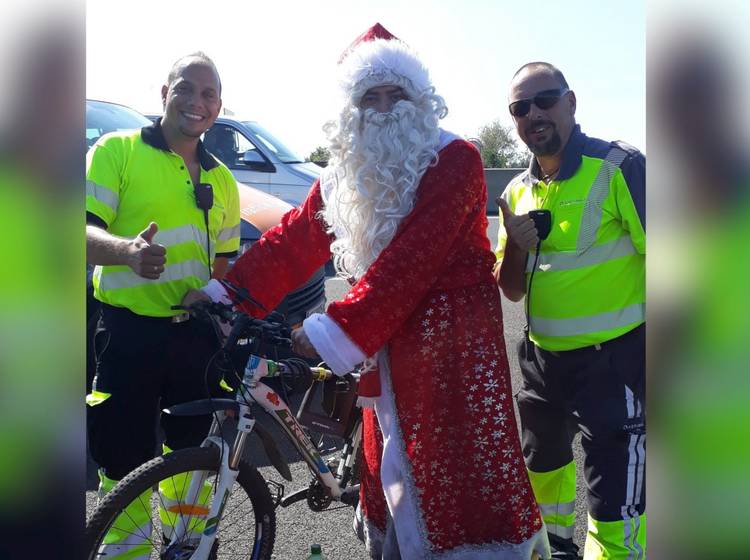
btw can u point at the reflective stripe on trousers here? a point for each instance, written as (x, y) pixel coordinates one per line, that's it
(129, 537)
(132, 543)
(616, 540)
(555, 492)
(173, 506)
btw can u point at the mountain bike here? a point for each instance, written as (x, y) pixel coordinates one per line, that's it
(209, 502)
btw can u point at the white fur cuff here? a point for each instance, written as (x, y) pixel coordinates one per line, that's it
(332, 343)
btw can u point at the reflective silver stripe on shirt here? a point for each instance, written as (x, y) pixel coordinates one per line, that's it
(635, 313)
(229, 233)
(182, 234)
(177, 271)
(569, 260)
(563, 508)
(592, 210)
(560, 531)
(103, 194)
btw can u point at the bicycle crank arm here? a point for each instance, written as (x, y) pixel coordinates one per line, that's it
(294, 497)
(349, 496)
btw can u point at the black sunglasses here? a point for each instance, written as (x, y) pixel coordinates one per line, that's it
(544, 100)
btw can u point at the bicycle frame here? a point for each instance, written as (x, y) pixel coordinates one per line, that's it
(277, 408)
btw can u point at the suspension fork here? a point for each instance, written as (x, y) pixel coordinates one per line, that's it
(226, 477)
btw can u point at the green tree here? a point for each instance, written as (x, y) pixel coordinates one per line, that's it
(320, 155)
(499, 148)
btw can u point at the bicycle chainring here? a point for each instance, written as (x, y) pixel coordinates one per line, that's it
(317, 497)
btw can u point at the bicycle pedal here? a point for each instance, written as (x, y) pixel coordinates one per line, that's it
(277, 492)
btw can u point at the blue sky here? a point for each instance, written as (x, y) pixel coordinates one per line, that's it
(278, 59)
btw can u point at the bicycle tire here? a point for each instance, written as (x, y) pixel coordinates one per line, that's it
(148, 476)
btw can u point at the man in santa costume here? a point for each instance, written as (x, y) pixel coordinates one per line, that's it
(401, 209)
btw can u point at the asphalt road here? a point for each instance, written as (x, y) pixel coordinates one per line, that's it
(297, 526)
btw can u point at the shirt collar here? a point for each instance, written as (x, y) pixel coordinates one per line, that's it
(154, 137)
(571, 158)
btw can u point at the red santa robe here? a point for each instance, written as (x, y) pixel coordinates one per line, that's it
(448, 464)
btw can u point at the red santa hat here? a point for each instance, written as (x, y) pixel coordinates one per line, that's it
(379, 58)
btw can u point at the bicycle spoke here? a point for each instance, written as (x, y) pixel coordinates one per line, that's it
(249, 507)
(141, 534)
(180, 500)
(238, 518)
(163, 507)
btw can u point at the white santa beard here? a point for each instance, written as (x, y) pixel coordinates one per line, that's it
(383, 160)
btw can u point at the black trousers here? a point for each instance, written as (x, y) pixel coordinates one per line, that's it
(601, 393)
(147, 364)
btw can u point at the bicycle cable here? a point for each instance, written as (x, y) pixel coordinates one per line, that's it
(220, 370)
(206, 372)
(214, 412)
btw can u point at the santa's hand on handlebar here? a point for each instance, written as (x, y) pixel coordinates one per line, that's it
(301, 344)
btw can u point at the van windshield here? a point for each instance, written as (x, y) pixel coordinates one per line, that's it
(284, 154)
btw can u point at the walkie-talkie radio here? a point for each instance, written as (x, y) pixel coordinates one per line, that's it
(204, 196)
(542, 222)
(204, 199)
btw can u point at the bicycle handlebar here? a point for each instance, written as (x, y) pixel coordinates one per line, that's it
(271, 330)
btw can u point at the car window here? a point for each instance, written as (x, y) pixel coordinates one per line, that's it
(243, 143)
(102, 118)
(284, 154)
(227, 144)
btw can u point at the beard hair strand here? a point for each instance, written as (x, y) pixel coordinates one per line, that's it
(381, 158)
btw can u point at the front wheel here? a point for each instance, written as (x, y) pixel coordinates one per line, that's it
(136, 519)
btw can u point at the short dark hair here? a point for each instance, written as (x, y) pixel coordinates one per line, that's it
(550, 68)
(197, 57)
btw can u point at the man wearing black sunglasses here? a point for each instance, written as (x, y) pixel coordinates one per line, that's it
(541, 135)
(583, 356)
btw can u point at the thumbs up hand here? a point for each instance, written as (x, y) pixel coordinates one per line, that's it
(146, 258)
(520, 228)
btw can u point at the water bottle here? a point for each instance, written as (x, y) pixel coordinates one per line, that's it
(315, 553)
